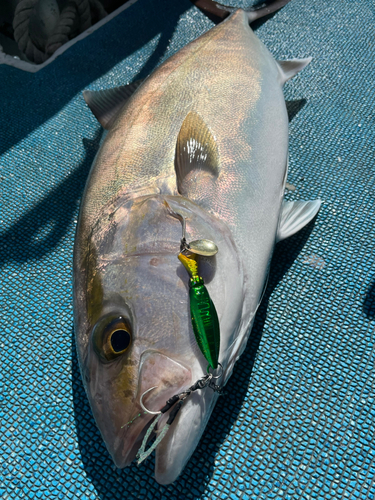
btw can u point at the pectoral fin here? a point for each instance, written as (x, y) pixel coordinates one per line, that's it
(196, 153)
(105, 104)
(290, 68)
(295, 215)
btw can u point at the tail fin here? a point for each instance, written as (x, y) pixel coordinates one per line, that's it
(222, 11)
(255, 14)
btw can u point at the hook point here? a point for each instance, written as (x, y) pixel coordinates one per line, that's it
(143, 406)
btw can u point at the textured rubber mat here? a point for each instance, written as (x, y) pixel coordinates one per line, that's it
(298, 419)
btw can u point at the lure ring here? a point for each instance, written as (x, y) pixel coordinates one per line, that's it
(143, 406)
(220, 374)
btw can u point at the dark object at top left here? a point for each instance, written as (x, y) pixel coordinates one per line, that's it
(33, 30)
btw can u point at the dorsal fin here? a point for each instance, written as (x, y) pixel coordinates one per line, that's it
(196, 150)
(105, 104)
(290, 68)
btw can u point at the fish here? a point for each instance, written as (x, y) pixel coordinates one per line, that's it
(203, 140)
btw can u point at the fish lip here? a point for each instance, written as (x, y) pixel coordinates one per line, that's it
(128, 443)
(122, 459)
(170, 457)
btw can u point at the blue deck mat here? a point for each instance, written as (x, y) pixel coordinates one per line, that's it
(298, 422)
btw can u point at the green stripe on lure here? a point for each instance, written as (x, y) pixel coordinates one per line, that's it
(203, 313)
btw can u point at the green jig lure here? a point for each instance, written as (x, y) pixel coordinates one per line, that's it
(203, 313)
(206, 330)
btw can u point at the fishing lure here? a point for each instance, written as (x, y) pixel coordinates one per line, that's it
(206, 330)
(203, 313)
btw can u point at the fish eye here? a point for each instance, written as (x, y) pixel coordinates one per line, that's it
(111, 337)
(120, 340)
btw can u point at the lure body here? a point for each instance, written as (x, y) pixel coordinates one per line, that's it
(207, 133)
(203, 313)
(205, 321)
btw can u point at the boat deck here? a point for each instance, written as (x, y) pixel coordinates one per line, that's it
(298, 418)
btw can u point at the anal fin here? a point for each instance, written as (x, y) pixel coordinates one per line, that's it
(294, 216)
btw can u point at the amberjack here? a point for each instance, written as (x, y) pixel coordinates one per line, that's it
(205, 137)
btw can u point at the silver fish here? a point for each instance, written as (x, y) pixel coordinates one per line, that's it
(207, 136)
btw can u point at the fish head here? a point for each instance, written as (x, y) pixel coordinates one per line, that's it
(133, 323)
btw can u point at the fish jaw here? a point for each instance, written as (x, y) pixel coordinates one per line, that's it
(119, 415)
(175, 450)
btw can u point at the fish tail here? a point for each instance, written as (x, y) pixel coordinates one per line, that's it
(266, 9)
(218, 12)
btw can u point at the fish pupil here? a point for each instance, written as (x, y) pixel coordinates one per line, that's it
(120, 340)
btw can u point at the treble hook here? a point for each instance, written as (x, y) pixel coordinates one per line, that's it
(143, 406)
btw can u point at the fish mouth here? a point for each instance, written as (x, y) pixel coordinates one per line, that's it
(169, 377)
(129, 454)
(175, 450)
